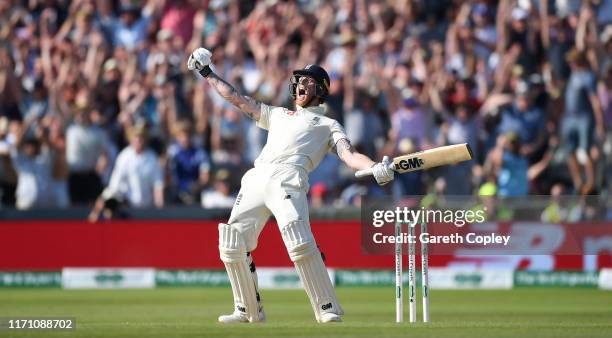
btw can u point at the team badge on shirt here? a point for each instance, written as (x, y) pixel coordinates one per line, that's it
(315, 121)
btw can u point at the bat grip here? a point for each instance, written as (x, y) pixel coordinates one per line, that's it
(363, 173)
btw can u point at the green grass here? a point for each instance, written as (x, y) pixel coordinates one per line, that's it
(370, 312)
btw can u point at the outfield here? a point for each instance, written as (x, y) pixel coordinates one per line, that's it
(168, 312)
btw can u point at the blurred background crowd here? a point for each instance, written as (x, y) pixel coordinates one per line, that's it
(96, 103)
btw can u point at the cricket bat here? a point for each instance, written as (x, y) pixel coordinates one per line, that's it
(427, 159)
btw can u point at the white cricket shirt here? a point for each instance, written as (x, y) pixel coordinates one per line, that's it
(301, 137)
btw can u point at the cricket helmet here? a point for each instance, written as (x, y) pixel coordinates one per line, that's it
(318, 74)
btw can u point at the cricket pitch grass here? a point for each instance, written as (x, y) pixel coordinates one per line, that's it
(370, 312)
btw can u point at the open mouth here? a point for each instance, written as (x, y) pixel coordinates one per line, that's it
(301, 93)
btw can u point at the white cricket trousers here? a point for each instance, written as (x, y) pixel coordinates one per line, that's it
(279, 189)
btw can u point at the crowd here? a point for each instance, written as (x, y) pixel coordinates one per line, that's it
(96, 103)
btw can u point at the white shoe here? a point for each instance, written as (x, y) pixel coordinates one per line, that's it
(329, 317)
(239, 317)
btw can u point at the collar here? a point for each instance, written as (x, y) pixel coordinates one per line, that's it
(319, 110)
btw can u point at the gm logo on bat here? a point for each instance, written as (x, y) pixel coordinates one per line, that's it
(411, 163)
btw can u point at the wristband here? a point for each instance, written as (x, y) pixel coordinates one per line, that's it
(205, 71)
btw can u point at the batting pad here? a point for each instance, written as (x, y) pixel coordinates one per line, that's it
(233, 253)
(309, 265)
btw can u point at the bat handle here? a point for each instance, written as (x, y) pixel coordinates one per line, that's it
(363, 173)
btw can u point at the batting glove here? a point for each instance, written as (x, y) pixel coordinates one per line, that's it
(200, 60)
(383, 172)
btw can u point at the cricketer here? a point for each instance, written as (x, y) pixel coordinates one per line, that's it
(278, 184)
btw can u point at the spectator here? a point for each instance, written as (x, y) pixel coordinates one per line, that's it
(57, 140)
(485, 34)
(227, 140)
(327, 173)
(189, 165)
(137, 176)
(38, 164)
(220, 195)
(509, 166)
(462, 127)
(37, 104)
(410, 122)
(129, 31)
(364, 126)
(8, 176)
(105, 94)
(178, 17)
(525, 119)
(317, 195)
(582, 121)
(556, 211)
(9, 88)
(605, 96)
(494, 208)
(106, 209)
(87, 154)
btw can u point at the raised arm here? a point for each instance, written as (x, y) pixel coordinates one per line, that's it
(248, 105)
(200, 60)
